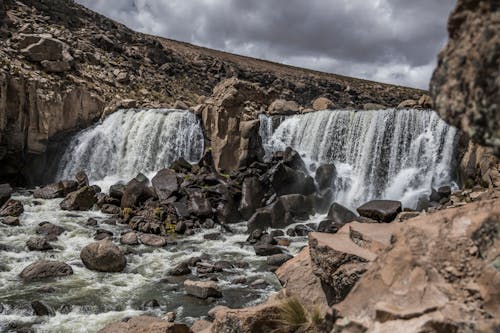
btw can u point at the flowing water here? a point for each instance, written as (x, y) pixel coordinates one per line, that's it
(383, 154)
(133, 141)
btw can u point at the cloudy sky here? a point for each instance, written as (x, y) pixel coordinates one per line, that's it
(394, 41)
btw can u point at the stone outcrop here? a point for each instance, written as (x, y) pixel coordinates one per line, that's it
(465, 84)
(145, 324)
(439, 275)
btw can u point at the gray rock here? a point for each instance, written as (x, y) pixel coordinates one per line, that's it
(165, 183)
(202, 289)
(38, 243)
(82, 199)
(380, 210)
(10, 221)
(278, 259)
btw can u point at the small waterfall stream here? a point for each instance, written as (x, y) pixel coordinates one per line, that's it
(133, 141)
(383, 154)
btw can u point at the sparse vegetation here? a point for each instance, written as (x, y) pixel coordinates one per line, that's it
(294, 317)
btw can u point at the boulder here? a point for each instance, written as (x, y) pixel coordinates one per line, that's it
(38, 243)
(110, 209)
(145, 324)
(12, 208)
(180, 165)
(278, 259)
(252, 194)
(129, 238)
(322, 103)
(285, 180)
(51, 191)
(297, 206)
(199, 205)
(425, 101)
(82, 179)
(47, 50)
(201, 326)
(251, 149)
(340, 214)
(275, 215)
(465, 85)
(267, 249)
(283, 107)
(82, 199)
(103, 256)
(44, 269)
(10, 221)
(49, 230)
(40, 308)
(325, 176)
(202, 289)
(380, 210)
(69, 186)
(5, 193)
(116, 191)
(183, 268)
(101, 234)
(153, 240)
(407, 104)
(136, 192)
(261, 318)
(165, 183)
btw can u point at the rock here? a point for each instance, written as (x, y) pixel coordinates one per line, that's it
(464, 85)
(260, 318)
(180, 105)
(129, 238)
(103, 256)
(101, 234)
(44, 269)
(183, 268)
(51, 191)
(380, 210)
(213, 236)
(267, 249)
(325, 176)
(136, 192)
(259, 284)
(47, 49)
(38, 243)
(202, 289)
(340, 214)
(82, 199)
(426, 102)
(10, 221)
(170, 316)
(278, 259)
(49, 230)
(250, 149)
(165, 183)
(322, 103)
(116, 191)
(180, 165)
(91, 222)
(373, 106)
(199, 206)
(407, 104)
(444, 191)
(42, 309)
(153, 240)
(145, 324)
(252, 193)
(69, 186)
(201, 326)
(11, 208)
(302, 230)
(283, 107)
(286, 180)
(297, 205)
(239, 280)
(5, 193)
(110, 209)
(82, 179)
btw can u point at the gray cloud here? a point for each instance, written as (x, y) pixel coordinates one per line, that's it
(394, 41)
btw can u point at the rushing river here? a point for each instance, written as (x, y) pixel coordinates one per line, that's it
(87, 300)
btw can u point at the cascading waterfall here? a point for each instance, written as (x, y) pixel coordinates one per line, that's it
(132, 141)
(382, 154)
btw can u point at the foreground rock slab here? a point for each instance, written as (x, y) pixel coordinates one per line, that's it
(145, 324)
(103, 256)
(44, 269)
(260, 318)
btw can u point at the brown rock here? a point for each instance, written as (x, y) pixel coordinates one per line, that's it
(202, 289)
(465, 85)
(380, 210)
(103, 256)
(51, 191)
(322, 103)
(153, 240)
(130, 238)
(145, 324)
(165, 183)
(409, 103)
(82, 199)
(426, 102)
(283, 107)
(201, 326)
(5, 193)
(12, 208)
(44, 269)
(260, 318)
(11, 221)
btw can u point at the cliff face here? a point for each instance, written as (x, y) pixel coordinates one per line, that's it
(62, 65)
(466, 84)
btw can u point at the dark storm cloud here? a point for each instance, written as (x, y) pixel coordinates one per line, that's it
(393, 41)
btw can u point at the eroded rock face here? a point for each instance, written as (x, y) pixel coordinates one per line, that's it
(145, 324)
(465, 84)
(44, 269)
(103, 256)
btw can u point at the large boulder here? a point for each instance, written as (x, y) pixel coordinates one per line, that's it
(202, 289)
(283, 107)
(380, 210)
(256, 319)
(165, 183)
(322, 103)
(5, 193)
(51, 191)
(285, 180)
(49, 230)
(12, 208)
(253, 193)
(103, 256)
(82, 199)
(251, 149)
(53, 54)
(38, 243)
(136, 192)
(340, 214)
(145, 324)
(325, 176)
(465, 84)
(44, 269)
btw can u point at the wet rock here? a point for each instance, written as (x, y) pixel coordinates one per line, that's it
(153, 240)
(182, 268)
(51, 191)
(291, 232)
(136, 192)
(49, 230)
(110, 209)
(129, 238)
(38, 243)
(10, 221)
(302, 230)
(12, 208)
(116, 191)
(91, 222)
(213, 236)
(285, 180)
(325, 176)
(42, 309)
(202, 289)
(340, 214)
(380, 210)
(180, 227)
(165, 183)
(283, 107)
(101, 234)
(277, 233)
(199, 206)
(297, 205)
(69, 186)
(278, 259)
(206, 268)
(329, 226)
(82, 179)
(267, 249)
(145, 324)
(5, 193)
(444, 191)
(82, 199)
(44, 269)
(103, 256)
(181, 165)
(284, 242)
(152, 304)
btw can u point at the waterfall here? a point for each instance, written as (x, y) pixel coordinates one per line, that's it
(381, 154)
(133, 141)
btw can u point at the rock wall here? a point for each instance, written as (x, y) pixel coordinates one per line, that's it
(466, 84)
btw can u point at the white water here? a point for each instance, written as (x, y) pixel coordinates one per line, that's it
(100, 298)
(383, 154)
(132, 141)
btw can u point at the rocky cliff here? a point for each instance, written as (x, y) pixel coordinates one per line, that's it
(62, 65)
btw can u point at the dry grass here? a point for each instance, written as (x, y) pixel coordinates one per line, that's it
(294, 317)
